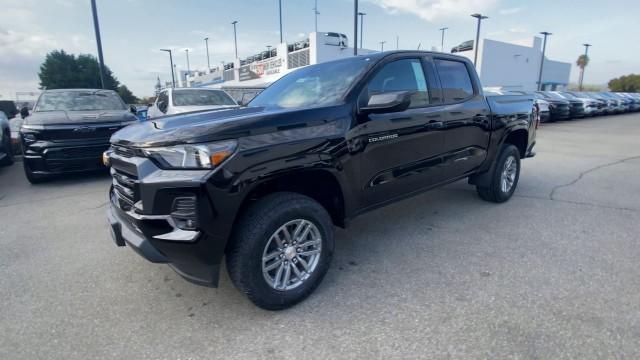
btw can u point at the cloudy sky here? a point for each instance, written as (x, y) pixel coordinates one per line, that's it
(134, 30)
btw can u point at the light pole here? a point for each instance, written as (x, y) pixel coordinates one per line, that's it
(544, 49)
(476, 45)
(355, 27)
(316, 13)
(235, 37)
(206, 43)
(173, 78)
(586, 58)
(96, 27)
(188, 66)
(382, 45)
(280, 13)
(362, 14)
(442, 41)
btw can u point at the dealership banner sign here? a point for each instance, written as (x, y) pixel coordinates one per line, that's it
(260, 69)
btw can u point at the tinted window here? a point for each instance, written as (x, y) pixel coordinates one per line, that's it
(79, 101)
(401, 75)
(201, 98)
(316, 85)
(455, 79)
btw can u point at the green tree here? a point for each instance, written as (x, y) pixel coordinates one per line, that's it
(61, 70)
(582, 62)
(627, 83)
(126, 95)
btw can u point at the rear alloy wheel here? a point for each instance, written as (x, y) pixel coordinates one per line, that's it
(506, 173)
(6, 146)
(281, 250)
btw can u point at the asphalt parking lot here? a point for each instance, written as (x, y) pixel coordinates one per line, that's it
(551, 274)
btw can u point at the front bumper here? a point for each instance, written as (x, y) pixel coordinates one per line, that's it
(150, 228)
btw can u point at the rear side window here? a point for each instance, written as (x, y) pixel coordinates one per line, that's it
(455, 80)
(402, 75)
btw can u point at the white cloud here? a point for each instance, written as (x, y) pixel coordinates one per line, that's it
(510, 11)
(434, 9)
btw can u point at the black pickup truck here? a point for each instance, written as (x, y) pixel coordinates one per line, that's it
(264, 185)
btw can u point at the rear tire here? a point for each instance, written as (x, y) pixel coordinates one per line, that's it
(267, 261)
(6, 146)
(504, 180)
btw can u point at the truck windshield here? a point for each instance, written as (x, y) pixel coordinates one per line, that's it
(79, 101)
(317, 85)
(201, 98)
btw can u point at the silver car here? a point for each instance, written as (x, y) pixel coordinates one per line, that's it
(182, 100)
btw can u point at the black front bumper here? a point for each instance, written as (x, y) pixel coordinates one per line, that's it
(149, 227)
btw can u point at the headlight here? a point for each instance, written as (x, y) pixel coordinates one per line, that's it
(192, 156)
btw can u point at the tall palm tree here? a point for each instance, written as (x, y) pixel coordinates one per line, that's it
(582, 62)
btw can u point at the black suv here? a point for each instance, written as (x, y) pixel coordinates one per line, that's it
(69, 130)
(264, 185)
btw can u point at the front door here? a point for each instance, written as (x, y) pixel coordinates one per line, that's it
(402, 149)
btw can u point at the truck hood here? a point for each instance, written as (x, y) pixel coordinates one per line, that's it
(224, 124)
(78, 117)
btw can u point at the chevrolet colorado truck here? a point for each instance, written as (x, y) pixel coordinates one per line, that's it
(263, 186)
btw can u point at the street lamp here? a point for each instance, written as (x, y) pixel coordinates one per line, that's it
(586, 51)
(442, 41)
(362, 14)
(480, 17)
(544, 49)
(316, 13)
(355, 27)
(382, 45)
(235, 37)
(280, 13)
(188, 66)
(173, 78)
(206, 43)
(96, 28)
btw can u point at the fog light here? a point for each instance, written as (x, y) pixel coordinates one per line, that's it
(184, 212)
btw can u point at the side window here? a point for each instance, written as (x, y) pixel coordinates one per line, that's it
(163, 101)
(455, 79)
(402, 75)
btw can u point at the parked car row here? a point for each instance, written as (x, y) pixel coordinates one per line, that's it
(564, 105)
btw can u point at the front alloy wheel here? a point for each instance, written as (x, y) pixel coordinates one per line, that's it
(291, 254)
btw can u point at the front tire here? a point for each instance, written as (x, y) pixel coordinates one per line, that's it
(504, 179)
(281, 250)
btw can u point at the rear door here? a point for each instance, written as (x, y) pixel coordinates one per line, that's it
(401, 151)
(466, 118)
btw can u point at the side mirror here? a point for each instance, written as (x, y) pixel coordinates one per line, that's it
(24, 112)
(388, 102)
(133, 109)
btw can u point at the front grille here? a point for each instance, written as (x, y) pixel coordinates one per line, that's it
(125, 189)
(76, 153)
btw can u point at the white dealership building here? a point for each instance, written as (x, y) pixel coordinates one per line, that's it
(500, 64)
(516, 65)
